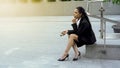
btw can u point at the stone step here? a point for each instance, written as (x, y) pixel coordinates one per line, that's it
(99, 50)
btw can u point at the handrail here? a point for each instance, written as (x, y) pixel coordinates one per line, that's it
(103, 30)
(105, 19)
(103, 24)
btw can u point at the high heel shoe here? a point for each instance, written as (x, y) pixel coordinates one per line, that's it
(60, 59)
(76, 58)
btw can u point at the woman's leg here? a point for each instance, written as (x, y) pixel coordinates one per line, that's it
(71, 43)
(75, 48)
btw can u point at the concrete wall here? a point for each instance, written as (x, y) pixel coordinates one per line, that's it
(58, 8)
(109, 8)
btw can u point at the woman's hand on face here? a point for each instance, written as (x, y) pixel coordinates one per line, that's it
(74, 20)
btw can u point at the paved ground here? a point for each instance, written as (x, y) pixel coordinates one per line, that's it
(34, 42)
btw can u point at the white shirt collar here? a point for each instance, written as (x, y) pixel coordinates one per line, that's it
(78, 22)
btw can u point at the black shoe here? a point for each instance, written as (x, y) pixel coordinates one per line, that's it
(63, 58)
(75, 59)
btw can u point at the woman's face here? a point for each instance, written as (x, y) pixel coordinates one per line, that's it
(76, 14)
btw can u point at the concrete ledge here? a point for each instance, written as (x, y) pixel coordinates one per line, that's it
(113, 36)
(98, 51)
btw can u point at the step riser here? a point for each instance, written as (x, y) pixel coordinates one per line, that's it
(99, 52)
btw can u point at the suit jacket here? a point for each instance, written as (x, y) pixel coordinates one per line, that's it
(84, 31)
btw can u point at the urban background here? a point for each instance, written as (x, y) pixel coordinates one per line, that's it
(52, 7)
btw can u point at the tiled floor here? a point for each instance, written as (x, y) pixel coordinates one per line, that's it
(34, 42)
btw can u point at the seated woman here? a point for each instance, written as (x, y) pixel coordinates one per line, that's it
(82, 33)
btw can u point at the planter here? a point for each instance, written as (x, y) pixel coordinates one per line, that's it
(116, 28)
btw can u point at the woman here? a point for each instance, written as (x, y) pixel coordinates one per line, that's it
(82, 33)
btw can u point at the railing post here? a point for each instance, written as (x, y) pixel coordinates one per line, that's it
(101, 21)
(104, 35)
(87, 5)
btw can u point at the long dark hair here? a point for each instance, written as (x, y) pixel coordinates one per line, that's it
(84, 14)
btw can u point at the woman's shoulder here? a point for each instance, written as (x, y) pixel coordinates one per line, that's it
(84, 20)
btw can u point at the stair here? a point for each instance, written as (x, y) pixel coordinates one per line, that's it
(111, 50)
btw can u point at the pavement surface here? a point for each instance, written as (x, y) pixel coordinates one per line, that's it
(35, 42)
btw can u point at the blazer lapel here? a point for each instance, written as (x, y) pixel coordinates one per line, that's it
(80, 23)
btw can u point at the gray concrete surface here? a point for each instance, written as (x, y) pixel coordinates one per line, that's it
(34, 42)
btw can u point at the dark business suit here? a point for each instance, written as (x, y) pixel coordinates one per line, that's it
(84, 31)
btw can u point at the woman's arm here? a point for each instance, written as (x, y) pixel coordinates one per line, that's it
(70, 32)
(81, 29)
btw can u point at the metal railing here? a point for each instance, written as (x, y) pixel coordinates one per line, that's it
(109, 20)
(102, 20)
(103, 29)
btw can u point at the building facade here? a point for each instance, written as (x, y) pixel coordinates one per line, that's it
(51, 7)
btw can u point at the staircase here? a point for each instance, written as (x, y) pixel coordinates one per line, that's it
(110, 50)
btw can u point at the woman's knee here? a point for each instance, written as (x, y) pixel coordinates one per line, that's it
(74, 36)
